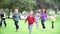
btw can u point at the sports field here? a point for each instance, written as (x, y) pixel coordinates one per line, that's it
(10, 29)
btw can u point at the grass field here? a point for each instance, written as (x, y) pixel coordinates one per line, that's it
(10, 29)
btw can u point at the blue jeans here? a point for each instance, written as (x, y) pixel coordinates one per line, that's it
(30, 28)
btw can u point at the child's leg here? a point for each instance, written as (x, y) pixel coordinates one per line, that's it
(0, 23)
(37, 25)
(4, 23)
(43, 25)
(30, 29)
(52, 24)
(17, 26)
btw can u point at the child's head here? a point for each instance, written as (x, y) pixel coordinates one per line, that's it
(2, 11)
(31, 12)
(44, 10)
(37, 14)
(16, 10)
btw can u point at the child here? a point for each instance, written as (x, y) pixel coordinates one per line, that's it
(3, 18)
(16, 18)
(36, 20)
(53, 20)
(30, 20)
(43, 17)
(0, 21)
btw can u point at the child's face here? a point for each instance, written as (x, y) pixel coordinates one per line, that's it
(43, 10)
(31, 12)
(16, 10)
(2, 12)
(37, 14)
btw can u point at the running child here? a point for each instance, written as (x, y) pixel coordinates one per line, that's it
(43, 17)
(0, 20)
(3, 18)
(37, 19)
(31, 20)
(53, 20)
(16, 18)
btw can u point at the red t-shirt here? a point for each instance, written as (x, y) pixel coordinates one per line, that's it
(30, 19)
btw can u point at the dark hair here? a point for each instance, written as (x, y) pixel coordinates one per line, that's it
(45, 11)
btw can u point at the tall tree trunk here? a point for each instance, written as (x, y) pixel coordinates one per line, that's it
(9, 14)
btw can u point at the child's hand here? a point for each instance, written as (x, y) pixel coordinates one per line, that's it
(45, 18)
(25, 21)
(3, 17)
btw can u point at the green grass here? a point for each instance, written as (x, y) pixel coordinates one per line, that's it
(10, 29)
(53, 12)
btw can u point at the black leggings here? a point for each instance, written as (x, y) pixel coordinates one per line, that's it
(43, 25)
(3, 20)
(52, 24)
(16, 24)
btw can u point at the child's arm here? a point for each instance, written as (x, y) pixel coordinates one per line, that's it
(46, 17)
(26, 19)
(13, 16)
(4, 16)
(34, 19)
(40, 16)
(19, 16)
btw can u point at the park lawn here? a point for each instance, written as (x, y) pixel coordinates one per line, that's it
(10, 29)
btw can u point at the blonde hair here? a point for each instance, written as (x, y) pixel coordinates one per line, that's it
(16, 11)
(31, 12)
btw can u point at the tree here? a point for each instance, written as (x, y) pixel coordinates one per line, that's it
(19, 4)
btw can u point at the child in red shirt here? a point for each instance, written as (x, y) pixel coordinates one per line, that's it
(31, 20)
